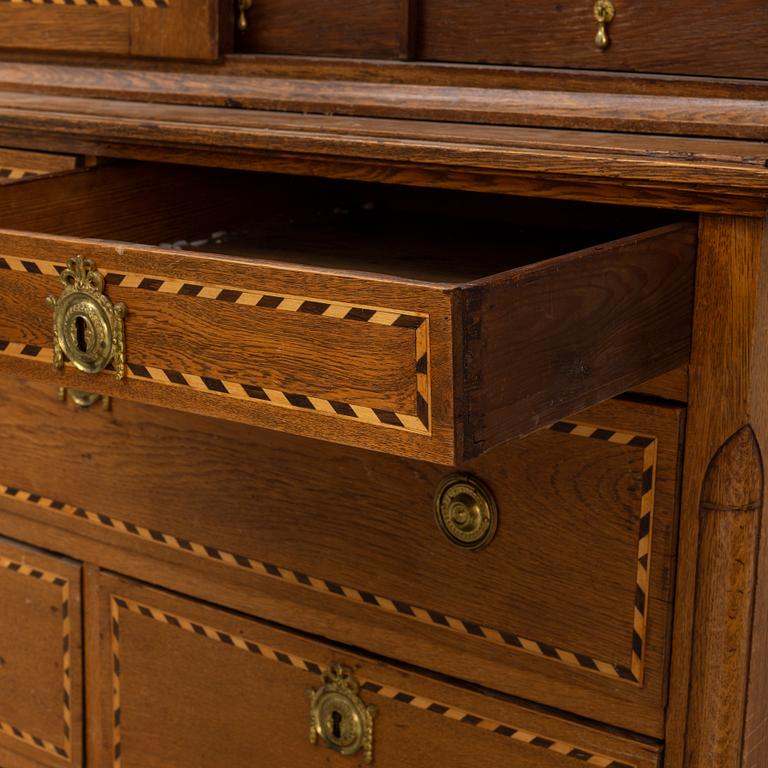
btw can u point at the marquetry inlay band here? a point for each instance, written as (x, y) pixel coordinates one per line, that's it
(418, 422)
(520, 735)
(20, 734)
(249, 392)
(649, 445)
(96, 3)
(632, 673)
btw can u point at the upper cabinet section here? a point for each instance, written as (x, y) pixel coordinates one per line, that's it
(178, 29)
(687, 37)
(368, 28)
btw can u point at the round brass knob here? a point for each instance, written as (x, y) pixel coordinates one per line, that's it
(466, 511)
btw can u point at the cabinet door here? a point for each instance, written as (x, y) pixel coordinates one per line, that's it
(183, 29)
(40, 659)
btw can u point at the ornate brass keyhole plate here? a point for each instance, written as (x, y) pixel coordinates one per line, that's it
(339, 717)
(466, 511)
(87, 327)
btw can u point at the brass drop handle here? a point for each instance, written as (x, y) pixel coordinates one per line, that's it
(466, 511)
(242, 19)
(604, 12)
(87, 328)
(338, 715)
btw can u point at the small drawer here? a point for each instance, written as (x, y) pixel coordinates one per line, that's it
(40, 659)
(364, 28)
(186, 685)
(568, 604)
(689, 37)
(180, 29)
(326, 312)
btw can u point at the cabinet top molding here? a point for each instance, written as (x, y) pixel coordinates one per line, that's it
(618, 147)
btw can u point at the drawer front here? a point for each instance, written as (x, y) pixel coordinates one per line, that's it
(428, 369)
(183, 29)
(40, 653)
(694, 37)
(568, 605)
(370, 28)
(186, 685)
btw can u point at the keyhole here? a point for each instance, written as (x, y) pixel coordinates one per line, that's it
(336, 727)
(80, 334)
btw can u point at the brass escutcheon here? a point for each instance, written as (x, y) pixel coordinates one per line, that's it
(466, 511)
(604, 13)
(87, 327)
(339, 717)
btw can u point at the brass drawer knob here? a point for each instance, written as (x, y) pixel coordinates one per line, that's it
(466, 511)
(87, 327)
(604, 14)
(339, 717)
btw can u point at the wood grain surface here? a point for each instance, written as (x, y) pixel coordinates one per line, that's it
(295, 503)
(678, 172)
(415, 365)
(727, 393)
(201, 687)
(731, 501)
(183, 29)
(695, 37)
(364, 28)
(41, 716)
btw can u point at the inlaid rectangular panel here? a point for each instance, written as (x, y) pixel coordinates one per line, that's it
(183, 29)
(186, 685)
(570, 602)
(367, 334)
(40, 659)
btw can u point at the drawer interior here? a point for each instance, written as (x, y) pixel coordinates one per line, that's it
(433, 236)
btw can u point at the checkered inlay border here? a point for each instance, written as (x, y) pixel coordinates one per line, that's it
(631, 673)
(513, 733)
(64, 750)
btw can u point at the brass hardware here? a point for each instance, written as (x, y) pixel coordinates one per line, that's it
(466, 511)
(339, 716)
(87, 327)
(242, 19)
(604, 12)
(84, 399)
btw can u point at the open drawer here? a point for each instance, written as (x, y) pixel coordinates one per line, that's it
(412, 322)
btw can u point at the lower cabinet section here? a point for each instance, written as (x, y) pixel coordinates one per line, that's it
(567, 605)
(179, 683)
(40, 659)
